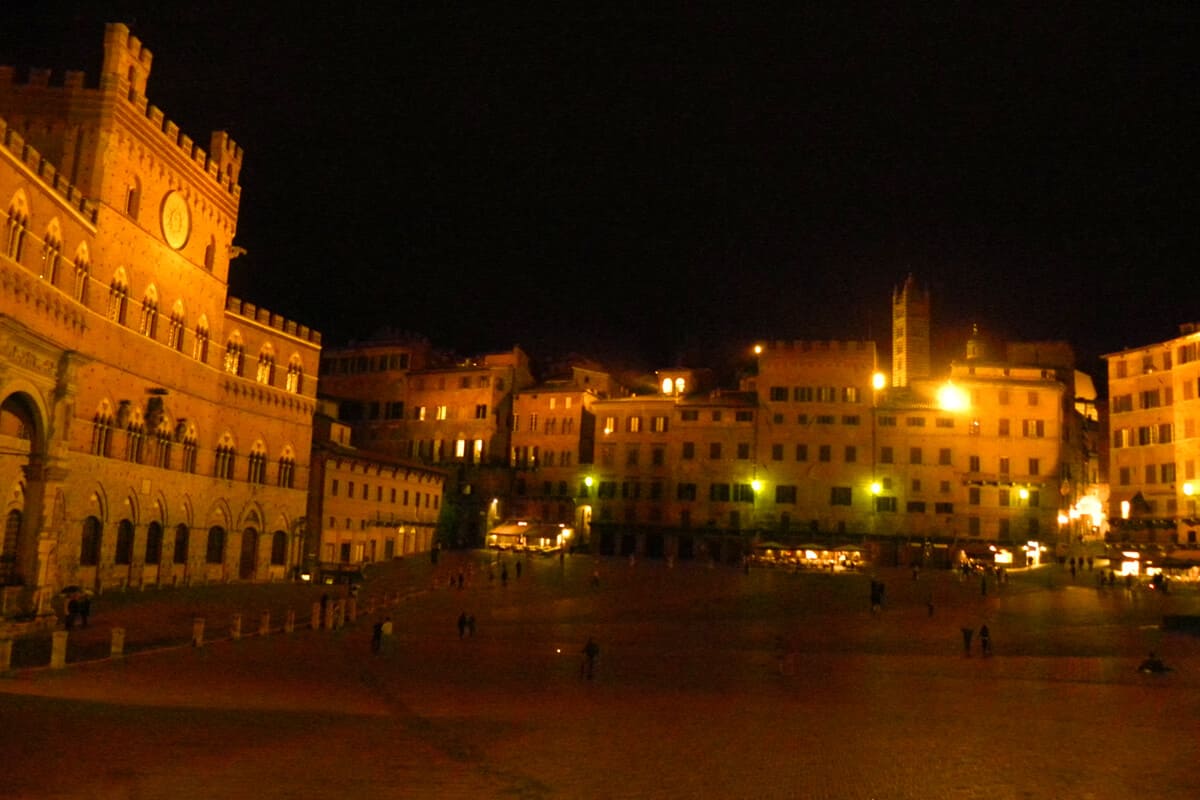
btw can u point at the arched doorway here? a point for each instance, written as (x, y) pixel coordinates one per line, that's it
(18, 452)
(249, 561)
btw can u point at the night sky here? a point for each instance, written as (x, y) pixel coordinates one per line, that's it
(669, 184)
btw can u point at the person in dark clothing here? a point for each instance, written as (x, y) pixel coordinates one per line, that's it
(590, 651)
(85, 608)
(985, 640)
(462, 624)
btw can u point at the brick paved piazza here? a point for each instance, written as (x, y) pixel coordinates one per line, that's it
(688, 698)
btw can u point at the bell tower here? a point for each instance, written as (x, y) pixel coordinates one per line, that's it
(910, 333)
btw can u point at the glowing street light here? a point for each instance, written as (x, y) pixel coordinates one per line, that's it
(952, 398)
(878, 381)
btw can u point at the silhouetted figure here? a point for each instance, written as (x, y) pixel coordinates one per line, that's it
(462, 624)
(985, 641)
(590, 651)
(1153, 664)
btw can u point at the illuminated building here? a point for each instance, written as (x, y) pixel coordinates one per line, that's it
(367, 507)
(1154, 400)
(153, 430)
(553, 443)
(404, 402)
(910, 334)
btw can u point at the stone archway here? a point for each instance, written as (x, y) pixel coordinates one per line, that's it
(20, 459)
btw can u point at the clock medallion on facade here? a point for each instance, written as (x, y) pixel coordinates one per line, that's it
(176, 220)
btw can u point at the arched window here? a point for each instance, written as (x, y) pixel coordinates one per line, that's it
(187, 435)
(154, 540)
(180, 555)
(266, 366)
(214, 553)
(118, 297)
(295, 375)
(83, 270)
(149, 323)
(200, 350)
(235, 355)
(287, 469)
(124, 551)
(135, 440)
(102, 431)
(162, 444)
(51, 253)
(89, 543)
(226, 458)
(278, 549)
(256, 471)
(18, 226)
(175, 327)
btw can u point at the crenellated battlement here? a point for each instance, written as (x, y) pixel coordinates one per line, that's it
(821, 346)
(27, 154)
(262, 316)
(123, 76)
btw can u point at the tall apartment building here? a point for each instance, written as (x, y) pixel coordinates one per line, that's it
(1154, 407)
(406, 402)
(152, 429)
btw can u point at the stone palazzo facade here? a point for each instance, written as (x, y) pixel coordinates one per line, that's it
(153, 429)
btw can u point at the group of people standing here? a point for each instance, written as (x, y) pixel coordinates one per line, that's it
(79, 608)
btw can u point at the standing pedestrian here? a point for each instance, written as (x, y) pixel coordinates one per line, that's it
(590, 651)
(85, 608)
(462, 624)
(967, 633)
(518, 569)
(985, 640)
(385, 635)
(72, 611)
(377, 636)
(504, 574)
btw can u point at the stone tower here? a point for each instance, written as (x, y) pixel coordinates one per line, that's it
(910, 333)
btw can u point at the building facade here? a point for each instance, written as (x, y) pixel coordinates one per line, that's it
(366, 507)
(153, 429)
(1154, 407)
(408, 403)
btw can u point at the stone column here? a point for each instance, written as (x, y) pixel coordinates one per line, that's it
(58, 650)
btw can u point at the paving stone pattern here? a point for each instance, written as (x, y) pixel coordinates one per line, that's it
(709, 683)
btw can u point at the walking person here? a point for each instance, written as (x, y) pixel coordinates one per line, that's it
(385, 635)
(462, 624)
(377, 636)
(985, 640)
(590, 651)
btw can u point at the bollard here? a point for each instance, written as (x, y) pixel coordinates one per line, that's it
(289, 622)
(198, 632)
(351, 609)
(118, 643)
(58, 650)
(264, 624)
(5, 655)
(235, 627)
(316, 616)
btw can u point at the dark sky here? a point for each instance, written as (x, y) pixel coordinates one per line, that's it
(672, 183)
